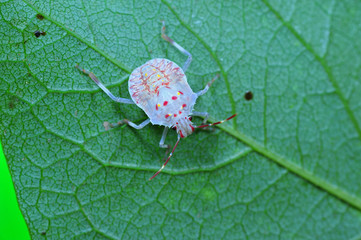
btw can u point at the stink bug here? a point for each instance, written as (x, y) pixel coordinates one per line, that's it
(160, 88)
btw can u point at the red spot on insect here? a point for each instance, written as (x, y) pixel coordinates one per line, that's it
(166, 116)
(180, 92)
(165, 103)
(175, 115)
(174, 98)
(181, 134)
(184, 105)
(180, 112)
(156, 107)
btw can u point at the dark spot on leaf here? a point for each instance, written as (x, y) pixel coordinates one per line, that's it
(248, 95)
(43, 233)
(39, 16)
(11, 105)
(38, 33)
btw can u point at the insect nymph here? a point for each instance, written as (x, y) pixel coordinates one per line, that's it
(160, 88)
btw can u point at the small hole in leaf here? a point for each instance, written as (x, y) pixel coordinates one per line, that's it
(248, 95)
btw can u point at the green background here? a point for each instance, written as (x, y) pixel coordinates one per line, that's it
(12, 224)
(287, 167)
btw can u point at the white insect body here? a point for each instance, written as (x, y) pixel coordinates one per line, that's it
(160, 88)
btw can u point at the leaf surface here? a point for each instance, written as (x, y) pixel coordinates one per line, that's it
(287, 167)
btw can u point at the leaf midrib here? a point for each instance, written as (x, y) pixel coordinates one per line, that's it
(324, 65)
(332, 189)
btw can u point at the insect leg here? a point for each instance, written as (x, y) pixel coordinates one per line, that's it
(203, 91)
(126, 121)
(179, 47)
(106, 90)
(170, 155)
(164, 135)
(201, 114)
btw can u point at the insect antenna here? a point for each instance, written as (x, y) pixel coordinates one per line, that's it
(216, 123)
(170, 155)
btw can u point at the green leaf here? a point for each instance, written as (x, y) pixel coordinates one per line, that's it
(287, 167)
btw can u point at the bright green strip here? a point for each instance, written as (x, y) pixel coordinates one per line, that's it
(12, 223)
